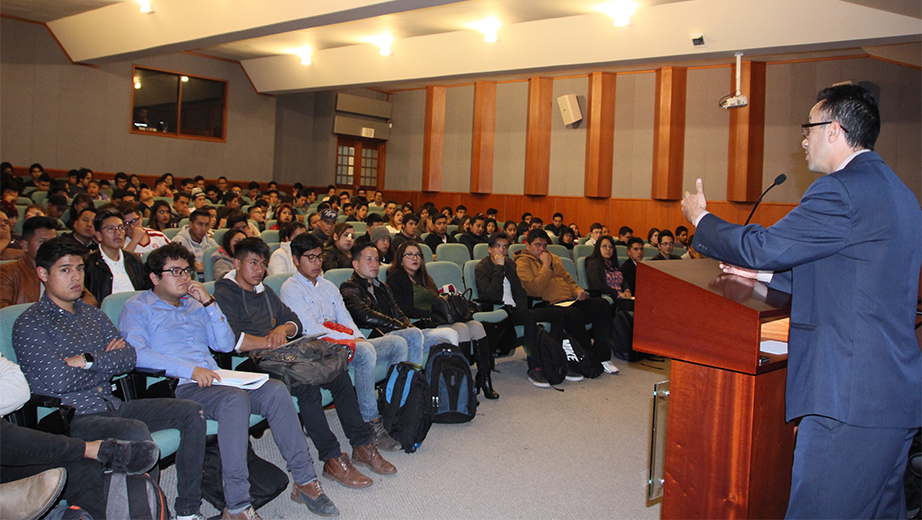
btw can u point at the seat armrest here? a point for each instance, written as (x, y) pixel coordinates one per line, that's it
(57, 421)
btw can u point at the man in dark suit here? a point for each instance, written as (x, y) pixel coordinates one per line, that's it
(849, 255)
(629, 267)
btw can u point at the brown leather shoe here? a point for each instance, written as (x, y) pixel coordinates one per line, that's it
(341, 470)
(312, 495)
(371, 457)
(247, 514)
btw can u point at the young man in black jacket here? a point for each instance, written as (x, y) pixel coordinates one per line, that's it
(110, 269)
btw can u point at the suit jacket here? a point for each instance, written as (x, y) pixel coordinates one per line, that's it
(629, 271)
(850, 256)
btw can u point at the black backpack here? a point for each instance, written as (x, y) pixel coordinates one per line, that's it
(451, 384)
(581, 360)
(134, 497)
(267, 481)
(406, 405)
(551, 357)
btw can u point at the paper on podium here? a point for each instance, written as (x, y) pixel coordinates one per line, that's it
(774, 347)
(245, 380)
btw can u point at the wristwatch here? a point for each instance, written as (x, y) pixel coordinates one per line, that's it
(88, 359)
(209, 302)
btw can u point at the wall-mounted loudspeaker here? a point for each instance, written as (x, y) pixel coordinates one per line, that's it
(569, 109)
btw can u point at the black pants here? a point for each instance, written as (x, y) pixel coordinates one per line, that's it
(347, 408)
(572, 320)
(25, 452)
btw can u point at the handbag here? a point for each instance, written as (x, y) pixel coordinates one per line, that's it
(304, 361)
(453, 308)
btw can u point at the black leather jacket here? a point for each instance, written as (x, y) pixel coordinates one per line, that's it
(98, 278)
(378, 311)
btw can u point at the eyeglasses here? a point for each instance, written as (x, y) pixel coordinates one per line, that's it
(133, 222)
(606, 246)
(312, 258)
(177, 272)
(805, 128)
(412, 255)
(113, 229)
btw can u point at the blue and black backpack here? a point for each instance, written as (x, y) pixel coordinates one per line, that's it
(406, 405)
(451, 384)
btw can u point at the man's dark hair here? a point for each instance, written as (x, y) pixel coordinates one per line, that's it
(855, 109)
(103, 214)
(172, 251)
(499, 235)
(450, 212)
(36, 165)
(535, 234)
(121, 176)
(358, 247)
(222, 177)
(437, 217)
(626, 229)
(666, 233)
(348, 205)
(411, 217)
(31, 224)
(211, 187)
(323, 205)
(359, 203)
(394, 202)
(274, 191)
(229, 197)
(83, 172)
(199, 178)
(57, 200)
(286, 229)
(330, 186)
(634, 240)
(44, 177)
(271, 184)
(303, 243)
(558, 214)
(253, 245)
(536, 220)
(253, 185)
(128, 207)
(460, 207)
(525, 215)
(475, 218)
(185, 194)
(56, 249)
(595, 225)
(158, 182)
(680, 229)
(201, 212)
(373, 218)
(492, 211)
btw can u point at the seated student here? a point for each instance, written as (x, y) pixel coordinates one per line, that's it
(172, 327)
(379, 237)
(389, 209)
(19, 282)
(635, 250)
(556, 225)
(692, 253)
(372, 306)
(181, 202)
(83, 230)
(544, 276)
(653, 238)
(92, 189)
(10, 245)
(439, 234)
(595, 232)
(317, 303)
(378, 200)
(285, 214)
(25, 452)
(498, 281)
(338, 252)
(681, 236)
(57, 205)
(475, 235)
(460, 212)
(194, 237)
(260, 320)
(463, 226)
(280, 261)
(348, 209)
(239, 220)
(325, 225)
(111, 269)
(408, 232)
(511, 229)
(360, 213)
(161, 216)
(624, 234)
(567, 238)
(139, 239)
(415, 291)
(223, 259)
(70, 350)
(602, 273)
(525, 224)
(257, 213)
(666, 242)
(536, 223)
(395, 224)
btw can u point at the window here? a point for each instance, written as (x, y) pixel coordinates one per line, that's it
(359, 163)
(178, 105)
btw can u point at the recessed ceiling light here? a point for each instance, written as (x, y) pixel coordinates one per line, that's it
(620, 10)
(304, 53)
(383, 42)
(146, 8)
(488, 27)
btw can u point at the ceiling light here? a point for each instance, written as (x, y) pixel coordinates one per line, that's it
(620, 10)
(146, 8)
(383, 42)
(488, 27)
(184, 79)
(137, 85)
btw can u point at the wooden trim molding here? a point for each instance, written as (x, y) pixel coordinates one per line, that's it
(669, 133)
(747, 136)
(434, 138)
(600, 135)
(538, 136)
(482, 138)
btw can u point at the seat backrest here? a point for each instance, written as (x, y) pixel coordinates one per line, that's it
(183, 222)
(583, 281)
(270, 223)
(209, 286)
(470, 282)
(446, 272)
(582, 240)
(515, 247)
(649, 252)
(360, 228)
(100, 202)
(219, 235)
(571, 268)
(8, 316)
(451, 228)
(481, 251)
(273, 246)
(171, 232)
(679, 250)
(208, 269)
(23, 201)
(276, 280)
(112, 305)
(427, 252)
(582, 250)
(559, 250)
(338, 276)
(375, 209)
(39, 197)
(270, 235)
(457, 253)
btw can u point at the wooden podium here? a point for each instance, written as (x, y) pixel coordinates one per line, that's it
(728, 450)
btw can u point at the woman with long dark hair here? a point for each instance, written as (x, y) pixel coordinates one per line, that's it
(284, 215)
(338, 251)
(414, 292)
(602, 273)
(223, 258)
(161, 216)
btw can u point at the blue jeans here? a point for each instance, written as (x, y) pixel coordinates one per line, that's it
(414, 339)
(393, 349)
(134, 420)
(232, 407)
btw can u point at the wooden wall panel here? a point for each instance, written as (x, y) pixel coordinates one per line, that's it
(600, 134)
(538, 136)
(434, 138)
(747, 136)
(669, 133)
(482, 139)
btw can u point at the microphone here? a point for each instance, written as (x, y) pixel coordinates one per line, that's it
(778, 180)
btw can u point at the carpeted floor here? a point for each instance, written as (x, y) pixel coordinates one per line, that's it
(534, 453)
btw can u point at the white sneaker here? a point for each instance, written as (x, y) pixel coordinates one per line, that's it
(610, 367)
